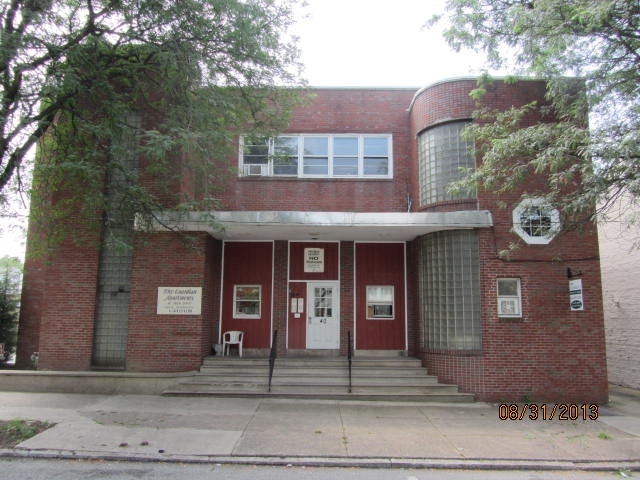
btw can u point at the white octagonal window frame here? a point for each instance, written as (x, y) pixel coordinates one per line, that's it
(536, 221)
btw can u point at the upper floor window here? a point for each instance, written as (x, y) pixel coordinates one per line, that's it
(443, 154)
(317, 156)
(535, 221)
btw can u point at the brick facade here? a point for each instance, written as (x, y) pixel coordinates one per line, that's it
(550, 353)
(172, 343)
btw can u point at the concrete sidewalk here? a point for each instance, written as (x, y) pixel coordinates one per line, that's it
(297, 432)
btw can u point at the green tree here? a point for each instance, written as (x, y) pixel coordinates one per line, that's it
(10, 285)
(99, 84)
(595, 41)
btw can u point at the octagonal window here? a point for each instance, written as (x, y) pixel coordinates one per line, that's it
(535, 221)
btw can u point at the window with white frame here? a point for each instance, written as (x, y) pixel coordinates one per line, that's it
(317, 156)
(246, 301)
(380, 303)
(255, 152)
(509, 298)
(285, 156)
(535, 221)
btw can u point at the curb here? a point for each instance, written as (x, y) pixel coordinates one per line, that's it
(347, 462)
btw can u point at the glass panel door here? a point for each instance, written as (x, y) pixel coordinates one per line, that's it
(323, 322)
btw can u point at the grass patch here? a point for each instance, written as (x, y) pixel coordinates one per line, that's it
(16, 431)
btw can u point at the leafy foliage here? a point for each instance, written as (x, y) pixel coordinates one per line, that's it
(10, 283)
(597, 41)
(168, 83)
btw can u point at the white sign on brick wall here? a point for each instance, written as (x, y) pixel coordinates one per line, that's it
(314, 260)
(576, 302)
(179, 300)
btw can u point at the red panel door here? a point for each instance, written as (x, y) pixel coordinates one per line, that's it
(247, 291)
(298, 308)
(380, 296)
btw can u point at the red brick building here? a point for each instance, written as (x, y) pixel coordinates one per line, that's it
(344, 224)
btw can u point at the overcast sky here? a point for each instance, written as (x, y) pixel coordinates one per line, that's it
(377, 44)
(360, 43)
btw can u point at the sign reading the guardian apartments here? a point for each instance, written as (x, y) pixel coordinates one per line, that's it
(179, 300)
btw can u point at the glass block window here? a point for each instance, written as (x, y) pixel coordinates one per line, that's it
(451, 290)
(111, 323)
(246, 301)
(509, 298)
(379, 302)
(112, 304)
(442, 152)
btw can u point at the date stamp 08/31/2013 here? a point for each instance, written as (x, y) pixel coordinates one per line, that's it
(551, 411)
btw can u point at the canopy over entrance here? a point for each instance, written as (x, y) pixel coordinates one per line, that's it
(296, 225)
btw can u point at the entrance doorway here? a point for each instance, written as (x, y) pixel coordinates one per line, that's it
(323, 322)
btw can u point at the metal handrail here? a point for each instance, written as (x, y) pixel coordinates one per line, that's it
(349, 355)
(273, 355)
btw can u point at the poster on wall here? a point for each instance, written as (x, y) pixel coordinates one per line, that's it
(179, 300)
(575, 295)
(314, 260)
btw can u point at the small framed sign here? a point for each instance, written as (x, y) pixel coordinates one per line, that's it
(314, 260)
(179, 300)
(576, 302)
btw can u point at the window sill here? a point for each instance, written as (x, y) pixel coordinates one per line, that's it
(511, 319)
(258, 178)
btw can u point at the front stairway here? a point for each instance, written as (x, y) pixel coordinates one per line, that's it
(400, 379)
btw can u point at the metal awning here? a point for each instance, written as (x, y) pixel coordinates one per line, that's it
(297, 225)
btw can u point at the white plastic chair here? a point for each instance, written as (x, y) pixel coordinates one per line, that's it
(232, 337)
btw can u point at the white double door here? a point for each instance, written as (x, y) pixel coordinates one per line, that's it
(323, 315)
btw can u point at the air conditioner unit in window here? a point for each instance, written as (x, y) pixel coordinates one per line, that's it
(257, 170)
(508, 307)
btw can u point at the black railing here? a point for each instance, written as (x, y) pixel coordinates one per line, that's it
(349, 355)
(273, 355)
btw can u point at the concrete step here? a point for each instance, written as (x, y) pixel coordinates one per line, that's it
(317, 380)
(315, 372)
(311, 361)
(376, 378)
(341, 394)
